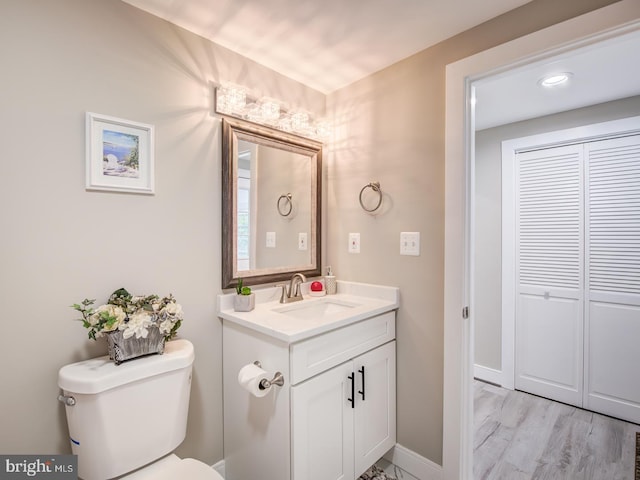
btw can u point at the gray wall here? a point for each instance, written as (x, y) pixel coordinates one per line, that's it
(488, 203)
(390, 128)
(61, 244)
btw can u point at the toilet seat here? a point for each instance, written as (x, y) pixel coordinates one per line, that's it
(172, 468)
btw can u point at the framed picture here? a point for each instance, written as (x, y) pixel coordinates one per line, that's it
(119, 155)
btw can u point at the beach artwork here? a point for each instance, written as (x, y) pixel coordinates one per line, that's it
(120, 154)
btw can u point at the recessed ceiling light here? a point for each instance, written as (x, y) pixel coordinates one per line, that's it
(555, 79)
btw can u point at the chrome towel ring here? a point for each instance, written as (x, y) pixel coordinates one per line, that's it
(288, 205)
(375, 186)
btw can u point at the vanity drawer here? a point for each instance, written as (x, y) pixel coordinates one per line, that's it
(315, 355)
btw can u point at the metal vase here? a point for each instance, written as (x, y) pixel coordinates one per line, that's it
(122, 349)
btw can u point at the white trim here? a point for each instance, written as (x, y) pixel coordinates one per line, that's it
(508, 273)
(219, 467)
(588, 133)
(407, 460)
(487, 374)
(603, 24)
(414, 464)
(593, 132)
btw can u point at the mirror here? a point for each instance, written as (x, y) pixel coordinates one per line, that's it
(271, 184)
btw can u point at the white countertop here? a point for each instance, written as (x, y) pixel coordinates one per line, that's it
(364, 301)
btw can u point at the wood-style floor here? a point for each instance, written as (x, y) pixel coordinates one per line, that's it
(520, 437)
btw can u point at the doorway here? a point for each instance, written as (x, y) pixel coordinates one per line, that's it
(571, 284)
(587, 30)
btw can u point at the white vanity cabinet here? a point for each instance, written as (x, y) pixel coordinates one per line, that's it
(335, 415)
(343, 420)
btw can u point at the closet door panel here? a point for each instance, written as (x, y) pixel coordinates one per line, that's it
(549, 354)
(550, 273)
(613, 383)
(613, 247)
(613, 277)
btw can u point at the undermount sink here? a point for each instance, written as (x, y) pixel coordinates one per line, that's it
(316, 308)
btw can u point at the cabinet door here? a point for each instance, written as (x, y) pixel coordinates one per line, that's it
(322, 426)
(375, 412)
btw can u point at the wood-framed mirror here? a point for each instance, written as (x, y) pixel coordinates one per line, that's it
(271, 204)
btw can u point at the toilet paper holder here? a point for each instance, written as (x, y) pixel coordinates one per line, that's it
(278, 379)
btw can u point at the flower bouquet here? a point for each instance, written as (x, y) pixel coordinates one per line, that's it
(134, 325)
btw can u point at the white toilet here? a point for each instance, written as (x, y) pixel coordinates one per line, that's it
(126, 420)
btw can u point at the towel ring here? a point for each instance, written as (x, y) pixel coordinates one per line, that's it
(375, 186)
(288, 203)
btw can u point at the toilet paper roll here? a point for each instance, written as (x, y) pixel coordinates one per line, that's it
(249, 378)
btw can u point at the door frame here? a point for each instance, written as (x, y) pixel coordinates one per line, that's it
(606, 23)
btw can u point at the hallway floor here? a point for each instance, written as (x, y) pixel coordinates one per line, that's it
(519, 436)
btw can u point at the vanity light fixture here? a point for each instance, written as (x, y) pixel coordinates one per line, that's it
(269, 109)
(299, 121)
(555, 79)
(237, 101)
(231, 99)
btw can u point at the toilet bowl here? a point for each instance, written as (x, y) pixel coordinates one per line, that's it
(126, 420)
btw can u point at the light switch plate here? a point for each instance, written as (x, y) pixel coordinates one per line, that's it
(354, 243)
(302, 241)
(410, 243)
(271, 239)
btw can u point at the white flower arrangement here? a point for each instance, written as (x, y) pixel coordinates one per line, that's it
(133, 315)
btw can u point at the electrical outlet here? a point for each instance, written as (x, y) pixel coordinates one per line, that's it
(354, 243)
(302, 241)
(271, 240)
(410, 243)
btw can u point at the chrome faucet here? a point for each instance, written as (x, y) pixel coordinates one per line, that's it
(293, 294)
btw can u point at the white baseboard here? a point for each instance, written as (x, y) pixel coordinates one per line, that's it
(219, 467)
(487, 374)
(416, 465)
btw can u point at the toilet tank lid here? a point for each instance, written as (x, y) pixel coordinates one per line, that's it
(99, 374)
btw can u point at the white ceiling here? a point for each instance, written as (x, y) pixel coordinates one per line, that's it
(328, 44)
(601, 73)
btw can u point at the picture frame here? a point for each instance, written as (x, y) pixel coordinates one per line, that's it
(120, 155)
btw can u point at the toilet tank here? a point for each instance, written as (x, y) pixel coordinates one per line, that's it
(127, 415)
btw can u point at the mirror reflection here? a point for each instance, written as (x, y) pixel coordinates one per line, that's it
(271, 204)
(274, 203)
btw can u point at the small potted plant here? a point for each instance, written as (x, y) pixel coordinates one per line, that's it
(245, 300)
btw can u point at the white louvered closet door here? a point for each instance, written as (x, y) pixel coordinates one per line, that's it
(612, 317)
(550, 273)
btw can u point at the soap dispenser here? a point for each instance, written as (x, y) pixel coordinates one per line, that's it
(330, 284)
